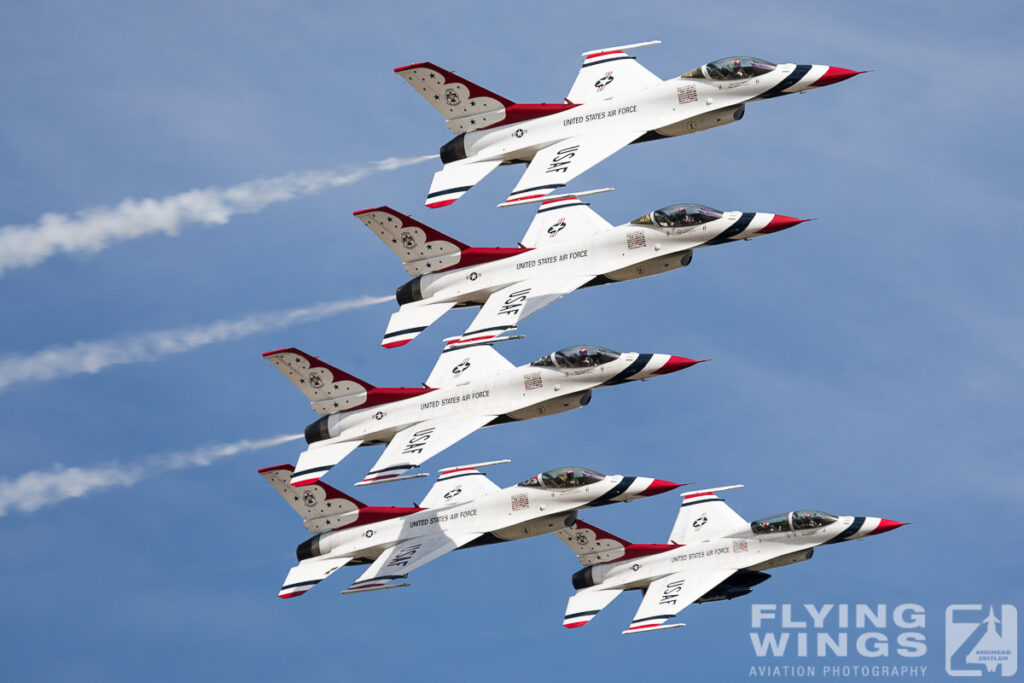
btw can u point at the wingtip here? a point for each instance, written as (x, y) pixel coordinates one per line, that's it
(287, 467)
(438, 205)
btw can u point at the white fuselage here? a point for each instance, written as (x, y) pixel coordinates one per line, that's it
(516, 393)
(508, 514)
(740, 551)
(625, 252)
(668, 109)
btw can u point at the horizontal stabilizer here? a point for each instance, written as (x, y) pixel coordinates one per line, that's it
(309, 573)
(410, 319)
(585, 605)
(456, 179)
(319, 458)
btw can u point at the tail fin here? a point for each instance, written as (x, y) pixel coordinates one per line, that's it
(320, 505)
(421, 248)
(591, 544)
(464, 105)
(328, 389)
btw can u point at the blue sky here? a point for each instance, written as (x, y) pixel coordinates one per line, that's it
(865, 363)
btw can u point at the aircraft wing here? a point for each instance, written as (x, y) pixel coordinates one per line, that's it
(565, 219)
(456, 178)
(586, 603)
(411, 319)
(458, 485)
(309, 573)
(505, 308)
(667, 596)
(414, 445)
(557, 164)
(461, 366)
(609, 72)
(402, 558)
(703, 515)
(321, 456)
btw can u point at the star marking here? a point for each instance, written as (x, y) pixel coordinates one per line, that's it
(437, 97)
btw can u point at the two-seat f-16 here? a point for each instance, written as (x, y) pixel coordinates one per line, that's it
(470, 387)
(614, 102)
(463, 509)
(566, 247)
(712, 554)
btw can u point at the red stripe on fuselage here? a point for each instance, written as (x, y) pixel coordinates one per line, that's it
(473, 256)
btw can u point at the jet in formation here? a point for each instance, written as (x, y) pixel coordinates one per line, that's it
(470, 387)
(463, 509)
(614, 102)
(711, 554)
(567, 246)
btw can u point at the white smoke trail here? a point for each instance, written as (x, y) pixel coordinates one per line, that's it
(94, 356)
(95, 229)
(39, 488)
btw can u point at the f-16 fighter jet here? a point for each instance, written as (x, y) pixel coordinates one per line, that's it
(463, 509)
(469, 388)
(613, 103)
(567, 246)
(712, 554)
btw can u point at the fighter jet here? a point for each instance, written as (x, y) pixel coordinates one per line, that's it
(614, 102)
(567, 246)
(463, 509)
(470, 387)
(712, 554)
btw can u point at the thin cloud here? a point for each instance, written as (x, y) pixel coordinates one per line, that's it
(93, 230)
(94, 356)
(39, 488)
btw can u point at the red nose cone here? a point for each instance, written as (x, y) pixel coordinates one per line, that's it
(834, 75)
(660, 486)
(780, 222)
(675, 363)
(887, 525)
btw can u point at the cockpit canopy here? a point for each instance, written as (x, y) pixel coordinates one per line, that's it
(731, 69)
(792, 521)
(577, 357)
(679, 216)
(564, 478)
